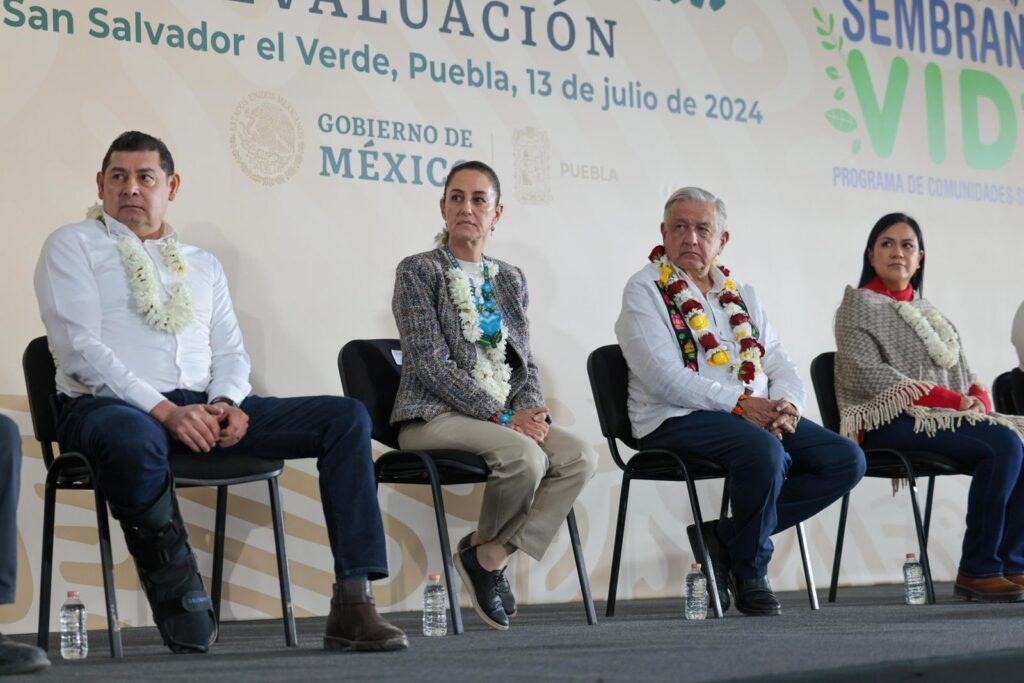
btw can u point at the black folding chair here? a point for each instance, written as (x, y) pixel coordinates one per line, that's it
(609, 378)
(74, 471)
(883, 463)
(1008, 392)
(370, 371)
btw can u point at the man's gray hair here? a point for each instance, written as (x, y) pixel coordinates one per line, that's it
(696, 194)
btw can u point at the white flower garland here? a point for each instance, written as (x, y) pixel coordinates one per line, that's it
(938, 336)
(170, 317)
(490, 369)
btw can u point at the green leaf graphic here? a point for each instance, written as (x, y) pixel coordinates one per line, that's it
(827, 45)
(817, 15)
(833, 73)
(841, 120)
(821, 31)
(856, 146)
(839, 94)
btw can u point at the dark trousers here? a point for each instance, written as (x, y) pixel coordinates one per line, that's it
(994, 540)
(130, 451)
(773, 484)
(10, 478)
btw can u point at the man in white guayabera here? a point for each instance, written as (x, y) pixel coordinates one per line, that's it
(708, 373)
(150, 363)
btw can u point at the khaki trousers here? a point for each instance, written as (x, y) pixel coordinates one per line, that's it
(531, 488)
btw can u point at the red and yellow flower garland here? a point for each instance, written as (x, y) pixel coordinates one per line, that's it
(692, 311)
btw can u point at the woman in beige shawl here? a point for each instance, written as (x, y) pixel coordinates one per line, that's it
(902, 381)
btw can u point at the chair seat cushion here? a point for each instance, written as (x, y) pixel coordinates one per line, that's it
(222, 469)
(884, 463)
(453, 467)
(661, 465)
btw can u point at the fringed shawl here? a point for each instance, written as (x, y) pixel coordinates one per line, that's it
(883, 366)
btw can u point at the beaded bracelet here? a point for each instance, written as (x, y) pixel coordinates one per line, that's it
(738, 409)
(503, 417)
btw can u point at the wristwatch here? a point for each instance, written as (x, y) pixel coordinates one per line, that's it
(224, 399)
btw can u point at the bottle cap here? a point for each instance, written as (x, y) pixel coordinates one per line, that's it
(911, 556)
(434, 577)
(72, 594)
(695, 565)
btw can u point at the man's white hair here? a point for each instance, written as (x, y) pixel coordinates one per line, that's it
(696, 194)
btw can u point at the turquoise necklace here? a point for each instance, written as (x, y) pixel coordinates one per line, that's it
(489, 317)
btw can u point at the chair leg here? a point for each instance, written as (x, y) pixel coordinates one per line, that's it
(283, 579)
(581, 568)
(725, 499)
(840, 537)
(218, 552)
(620, 529)
(450, 576)
(812, 593)
(107, 565)
(46, 566)
(698, 520)
(928, 507)
(921, 537)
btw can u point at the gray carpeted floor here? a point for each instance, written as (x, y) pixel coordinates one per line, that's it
(868, 635)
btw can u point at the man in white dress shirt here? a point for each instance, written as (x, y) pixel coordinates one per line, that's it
(708, 375)
(150, 362)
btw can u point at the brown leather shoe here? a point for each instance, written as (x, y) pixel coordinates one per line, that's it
(1015, 578)
(988, 589)
(354, 623)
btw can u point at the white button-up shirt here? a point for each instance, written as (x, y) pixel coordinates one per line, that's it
(660, 384)
(102, 345)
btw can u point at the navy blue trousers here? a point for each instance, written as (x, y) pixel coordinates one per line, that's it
(773, 484)
(10, 478)
(994, 540)
(130, 452)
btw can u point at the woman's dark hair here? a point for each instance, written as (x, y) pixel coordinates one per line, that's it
(134, 141)
(475, 166)
(867, 273)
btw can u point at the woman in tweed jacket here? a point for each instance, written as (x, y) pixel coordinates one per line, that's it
(902, 381)
(469, 383)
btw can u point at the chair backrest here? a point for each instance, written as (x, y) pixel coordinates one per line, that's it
(823, 377)
(41, 384)
(1002, 394)
(370, 373)
(609, 382)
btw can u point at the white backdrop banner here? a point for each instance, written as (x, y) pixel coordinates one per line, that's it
(313, 137)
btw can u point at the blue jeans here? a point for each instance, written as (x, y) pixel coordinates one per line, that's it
(130, 451)
(10, 478)
(773, 484)
(994, 540)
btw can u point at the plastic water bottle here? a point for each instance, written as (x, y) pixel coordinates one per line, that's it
(913, 581)
(696, 593)
(74, 636)
(435, 607)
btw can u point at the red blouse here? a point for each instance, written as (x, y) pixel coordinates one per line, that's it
(939, 397)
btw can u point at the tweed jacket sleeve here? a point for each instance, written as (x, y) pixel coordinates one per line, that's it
(432, 380)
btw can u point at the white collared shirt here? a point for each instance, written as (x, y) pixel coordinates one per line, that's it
(660, 384)
(102, 345)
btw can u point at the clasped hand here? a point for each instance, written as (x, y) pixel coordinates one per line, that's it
(533, 422)
(202, 426)
(778, 417)
(972, 403)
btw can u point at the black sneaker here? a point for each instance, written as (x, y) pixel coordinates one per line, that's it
(483, 589)
(719, 558)
(508, 601)
(754, 597)
(18, 658)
